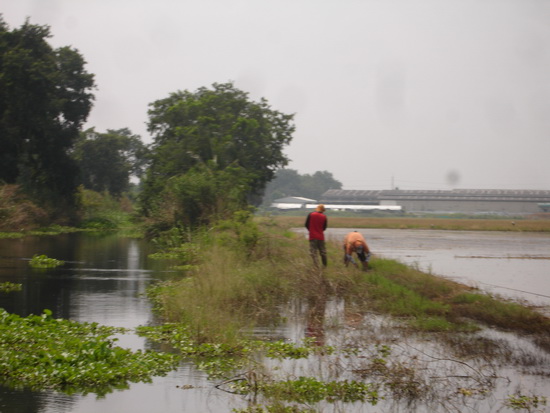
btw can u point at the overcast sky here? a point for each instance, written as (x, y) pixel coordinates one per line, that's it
(423, 94)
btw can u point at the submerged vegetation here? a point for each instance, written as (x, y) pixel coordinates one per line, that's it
(392, 335)
(242, 280)
(245, 276)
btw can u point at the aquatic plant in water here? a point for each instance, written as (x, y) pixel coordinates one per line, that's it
(43, 261)
(218, 304)
(523, 402)
(40, 352)
(8, 287)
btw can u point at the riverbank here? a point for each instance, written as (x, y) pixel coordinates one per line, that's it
(539, 224)
(255, 281)
(255, 321)
(455, 224)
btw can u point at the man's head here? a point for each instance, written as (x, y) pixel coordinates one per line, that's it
(320, 208)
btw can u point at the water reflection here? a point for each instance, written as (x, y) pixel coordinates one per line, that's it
(315, 317)
(104, 277)
(103, 280)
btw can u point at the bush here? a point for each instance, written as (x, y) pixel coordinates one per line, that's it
(17, 212)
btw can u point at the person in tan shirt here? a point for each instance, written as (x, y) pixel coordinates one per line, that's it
(354, 242)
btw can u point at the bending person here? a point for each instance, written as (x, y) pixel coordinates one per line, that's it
(354, 242)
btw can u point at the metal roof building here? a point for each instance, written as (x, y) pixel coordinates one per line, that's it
(457, 200)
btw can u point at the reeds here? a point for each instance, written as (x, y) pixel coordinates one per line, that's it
(247, 272)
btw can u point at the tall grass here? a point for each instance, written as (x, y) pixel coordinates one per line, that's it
(243, 277)
(247, 270)
(502, 314)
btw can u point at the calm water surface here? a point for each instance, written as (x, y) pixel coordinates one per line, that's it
(513, 265)
(104, 278)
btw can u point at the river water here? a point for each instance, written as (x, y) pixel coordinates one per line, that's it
(104, 278)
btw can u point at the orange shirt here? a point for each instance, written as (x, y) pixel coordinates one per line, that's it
(354, 239)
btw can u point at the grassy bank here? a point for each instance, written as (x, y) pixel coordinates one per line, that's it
(245, 277)
(19, 216)
(457, 224)
(250, 270)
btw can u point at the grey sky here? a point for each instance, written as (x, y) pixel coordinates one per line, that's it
(434, 94)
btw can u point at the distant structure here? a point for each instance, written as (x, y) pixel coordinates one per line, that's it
(292, 202)
(499, 201)
(296, 202)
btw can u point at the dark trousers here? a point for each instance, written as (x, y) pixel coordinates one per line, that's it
(317, 246)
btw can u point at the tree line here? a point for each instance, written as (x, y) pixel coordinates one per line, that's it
(213, 151)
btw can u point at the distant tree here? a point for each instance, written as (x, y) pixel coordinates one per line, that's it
(108, 160)
(44, 100)
(219, 127)
(314, 186)
(288, 182)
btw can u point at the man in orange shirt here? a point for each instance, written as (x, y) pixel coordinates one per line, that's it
(316, 223)
(355, 242)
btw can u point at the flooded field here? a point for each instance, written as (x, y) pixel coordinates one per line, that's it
(105, 278)
(512, 265)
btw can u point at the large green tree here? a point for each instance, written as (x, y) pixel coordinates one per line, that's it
(107, 161)
(44, 100)
(220, 127)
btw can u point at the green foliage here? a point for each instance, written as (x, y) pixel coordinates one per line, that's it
(218, 127)
(17, 211)
(246, 269)
(281, 349)
(44, 100)
(241, 232)
(218, 360)
(499, 313)
(11, 235)
(522, 402)
(311, 390)
(201, 196)
(399, 300)
(43, 261)
(433, 324)
(8, 287)
(104, 212)
(41, 352)
(107, 160)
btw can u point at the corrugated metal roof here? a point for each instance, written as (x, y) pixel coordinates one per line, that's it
(346, 195)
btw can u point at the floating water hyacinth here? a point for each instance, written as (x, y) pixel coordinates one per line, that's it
(43, 261)
(8, 287)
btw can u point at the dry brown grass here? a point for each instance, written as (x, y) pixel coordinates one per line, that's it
(527, 225)
(17, 212)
